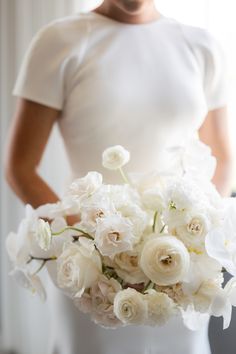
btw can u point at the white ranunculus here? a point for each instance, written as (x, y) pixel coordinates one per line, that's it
(115, 157)
(126, 265)
(78, 268)
(130, 307)
(114, 235)
(160, 308)
(44, 234)
(164, 260)
(30, 282)
(87, 185)
(221, 241)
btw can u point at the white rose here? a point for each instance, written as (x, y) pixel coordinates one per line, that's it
(115, 157)
(113, 235)
(164, 260)
(78, 268)
(84, 303)
(160, 308)
(44, 234)
(99, 302)
(103, 294)
(130, 307)
(126, 265)
(193, 232)
(87, 185)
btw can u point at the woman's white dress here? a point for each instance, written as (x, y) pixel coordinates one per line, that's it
(144, 86)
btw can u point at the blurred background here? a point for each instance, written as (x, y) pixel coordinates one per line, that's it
(24, 321)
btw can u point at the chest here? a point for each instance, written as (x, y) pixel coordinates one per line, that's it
(133, 75)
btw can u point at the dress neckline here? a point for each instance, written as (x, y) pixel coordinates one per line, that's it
(119, 23)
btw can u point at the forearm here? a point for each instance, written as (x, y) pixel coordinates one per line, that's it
(31, 188)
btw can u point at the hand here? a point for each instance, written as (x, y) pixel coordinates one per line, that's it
(73, 219)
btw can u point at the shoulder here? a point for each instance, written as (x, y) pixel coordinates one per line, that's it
(62, 31)
(201, 40)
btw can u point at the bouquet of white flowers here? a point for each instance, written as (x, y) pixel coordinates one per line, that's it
(144, 251)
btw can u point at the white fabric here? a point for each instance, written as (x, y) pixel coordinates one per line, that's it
(144, 86)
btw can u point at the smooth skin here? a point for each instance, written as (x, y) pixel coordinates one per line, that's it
(33, 122)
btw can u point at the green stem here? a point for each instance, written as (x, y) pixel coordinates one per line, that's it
(41, 259)
(162, 229)
(123, 175)
(149, 285)
(74, 229)
(154, 221)
(41, 267)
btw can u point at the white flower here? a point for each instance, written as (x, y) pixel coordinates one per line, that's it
(30, 282)
(205, 295)
(86, 186)
(223, 302)
(191, 157)
(98, 206)
(153, 199)
(221, 241)
(113, 235)
(69, 205)
(130, 307)
(201, 269)
(23, 244)
(221, 306)
(137, 216)
(164, 260)
(193, 232)
(126, 265)
(78, 268)
(230, 289)
(115, 157)
(160, 308)
(192, 319)
(99, 302)
(44, 234)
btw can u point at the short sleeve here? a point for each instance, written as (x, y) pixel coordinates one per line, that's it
(41, 75)
(215, 73)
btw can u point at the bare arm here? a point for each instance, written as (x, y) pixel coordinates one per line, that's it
(214, 132)
(29, 134)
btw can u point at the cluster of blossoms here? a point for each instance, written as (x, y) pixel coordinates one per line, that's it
(143, 251)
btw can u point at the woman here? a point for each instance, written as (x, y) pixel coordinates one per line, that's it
(122, 74)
